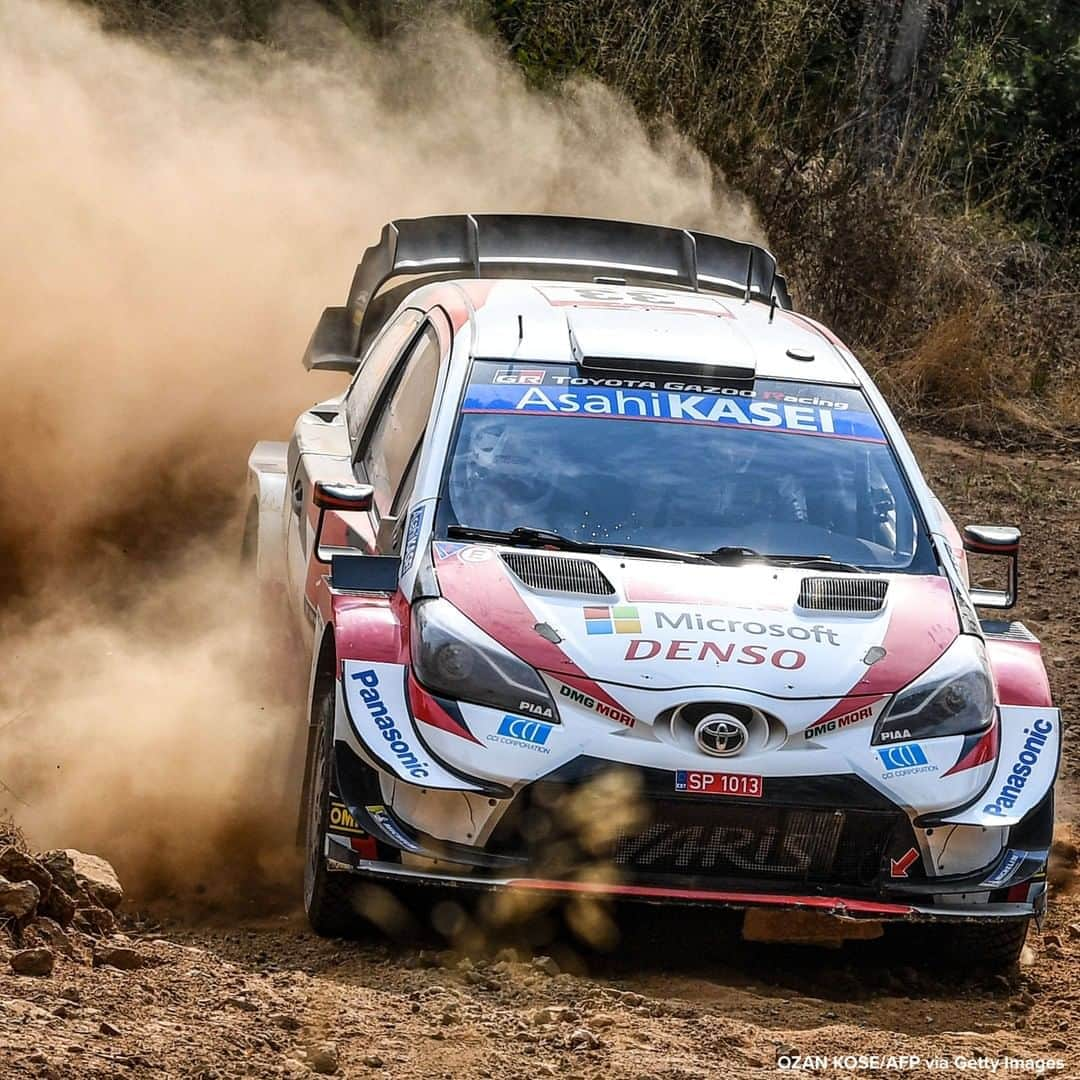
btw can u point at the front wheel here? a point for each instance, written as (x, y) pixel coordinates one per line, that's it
(327, 893)
(991, 946)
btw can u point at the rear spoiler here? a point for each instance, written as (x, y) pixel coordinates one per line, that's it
(412, 251)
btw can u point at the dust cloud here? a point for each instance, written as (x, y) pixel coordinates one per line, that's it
(171, 226)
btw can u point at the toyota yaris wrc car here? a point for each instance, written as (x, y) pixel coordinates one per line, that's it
(619, 578)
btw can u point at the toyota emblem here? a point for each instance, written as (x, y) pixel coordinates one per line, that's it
(721, 736)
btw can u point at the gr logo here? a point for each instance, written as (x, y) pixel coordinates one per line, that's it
(529, 731)
(902, 757)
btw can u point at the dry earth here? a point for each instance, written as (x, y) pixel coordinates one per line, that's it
(250, 992)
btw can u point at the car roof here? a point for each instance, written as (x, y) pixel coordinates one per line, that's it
(559, 321)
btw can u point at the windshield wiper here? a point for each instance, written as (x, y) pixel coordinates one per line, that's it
(526, 536)
(806, 562)
(731, 554)
(815, 562)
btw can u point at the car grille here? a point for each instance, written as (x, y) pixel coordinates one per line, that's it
(791, 844)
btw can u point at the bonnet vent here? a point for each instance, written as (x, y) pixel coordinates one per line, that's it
(558, 574)
(850, 593)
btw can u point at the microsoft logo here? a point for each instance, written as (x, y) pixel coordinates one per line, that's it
(612, 620)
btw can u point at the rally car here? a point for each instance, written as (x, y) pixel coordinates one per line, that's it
(619, 577)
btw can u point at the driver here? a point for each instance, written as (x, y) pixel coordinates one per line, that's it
(750, 489)
(493, 484)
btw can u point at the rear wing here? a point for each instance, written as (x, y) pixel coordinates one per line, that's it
(413, 251)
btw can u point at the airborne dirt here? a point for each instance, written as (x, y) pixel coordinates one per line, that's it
(244, 989)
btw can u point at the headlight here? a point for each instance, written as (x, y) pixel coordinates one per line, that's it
(953, 697)
(453, 657)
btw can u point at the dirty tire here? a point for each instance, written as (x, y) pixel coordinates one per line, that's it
(327, 893)
(990, 947)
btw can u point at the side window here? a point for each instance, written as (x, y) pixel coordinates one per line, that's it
(400, 421)
(379, 360)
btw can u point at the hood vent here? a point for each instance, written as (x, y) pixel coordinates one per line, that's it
(557, 574)
(849, 593)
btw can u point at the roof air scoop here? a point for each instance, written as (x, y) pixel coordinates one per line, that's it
(704, 344)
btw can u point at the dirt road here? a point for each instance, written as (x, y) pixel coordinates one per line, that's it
(250, 992)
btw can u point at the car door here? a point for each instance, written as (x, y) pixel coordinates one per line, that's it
(389, 451)
(368, 384)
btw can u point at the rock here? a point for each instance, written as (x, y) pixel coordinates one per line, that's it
(53, 935)
(323, 1059)
(1027, 956)
(71, 869)
(59, 906)
(583, 1039)
(18, 899)
(117, 956)
(1048, 939)
(32, 961)
(16, 865)
(546, 965)
(1074, 931)
(95, 920)
(373, 1061)
(71, 993)
(108, 1029)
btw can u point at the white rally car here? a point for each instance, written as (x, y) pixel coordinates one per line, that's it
(619, 577)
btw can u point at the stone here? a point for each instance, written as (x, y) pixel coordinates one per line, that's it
(32, 961)
(59, 906)
(108, 1029)
(16, 865)
(117, 956)
(373, 1061)
(52, 933)
(546, 964)
(72, 868)
(19, 899)
(323, 1059)
(583, 1039)
(95, 920)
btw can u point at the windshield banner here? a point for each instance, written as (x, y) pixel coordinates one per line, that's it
(797, 412)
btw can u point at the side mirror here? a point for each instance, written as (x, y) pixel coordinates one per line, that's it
(330, 347)
(340, 497)
(1002, 541)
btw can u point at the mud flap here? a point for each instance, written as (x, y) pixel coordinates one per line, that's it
(805, 928)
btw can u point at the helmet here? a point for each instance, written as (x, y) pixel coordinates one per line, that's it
(496, 482)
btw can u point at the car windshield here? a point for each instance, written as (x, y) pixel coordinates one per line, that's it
(783, 468)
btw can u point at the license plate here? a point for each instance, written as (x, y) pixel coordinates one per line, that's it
(718, 783)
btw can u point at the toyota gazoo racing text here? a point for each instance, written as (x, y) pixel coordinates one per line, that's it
(618, 576)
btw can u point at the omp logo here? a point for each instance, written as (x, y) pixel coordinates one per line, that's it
(342, 821)
(612, 620)
(522, 732)
(904, 760)
(1026, 760)
(386, 724)
(525, 377)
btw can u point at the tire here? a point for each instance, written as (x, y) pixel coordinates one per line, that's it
(327, 893)
(991, 946)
